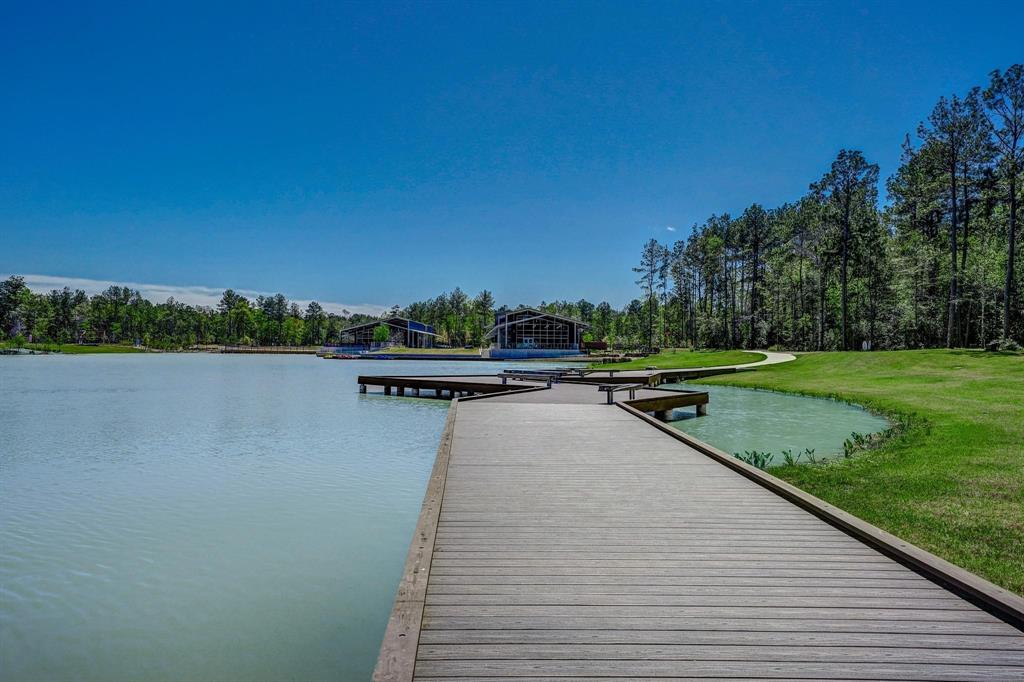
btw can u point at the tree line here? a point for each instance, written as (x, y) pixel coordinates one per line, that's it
(936, 266)
(122, 315)
(832, 269)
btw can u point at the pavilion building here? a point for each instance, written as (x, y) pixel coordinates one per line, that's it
(401, 332)
(532, 333)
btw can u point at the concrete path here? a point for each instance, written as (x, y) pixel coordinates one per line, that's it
(772, 358)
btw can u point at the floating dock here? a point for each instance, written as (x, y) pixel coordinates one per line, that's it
(567, 539)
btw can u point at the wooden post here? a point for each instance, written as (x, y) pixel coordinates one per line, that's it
(416, 392)
(401, 390)
(387, 390)
(702, 410)
(663, 415)
(362, 388)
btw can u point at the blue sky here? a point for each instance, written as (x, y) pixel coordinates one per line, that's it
(375, 154)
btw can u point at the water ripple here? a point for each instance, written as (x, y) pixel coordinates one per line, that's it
(202, 517)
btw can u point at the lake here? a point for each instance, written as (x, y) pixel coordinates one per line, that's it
(741, 419)
(234, 517)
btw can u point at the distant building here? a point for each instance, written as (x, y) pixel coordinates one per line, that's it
(532, 333)
(401, 332)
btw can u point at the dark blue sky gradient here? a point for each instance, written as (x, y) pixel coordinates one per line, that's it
(384, 153)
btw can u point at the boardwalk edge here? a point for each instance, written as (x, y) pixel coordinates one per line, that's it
(996, 600)
(397, 659)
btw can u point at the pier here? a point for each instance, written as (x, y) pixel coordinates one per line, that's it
(558, 388)
(271, 350)
(561, 537)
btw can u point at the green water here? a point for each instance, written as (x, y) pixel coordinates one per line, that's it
(741, 419)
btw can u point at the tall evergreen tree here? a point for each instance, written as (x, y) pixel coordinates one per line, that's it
(1004, 99)
(952, 131)
(648, 270)
(849, 191)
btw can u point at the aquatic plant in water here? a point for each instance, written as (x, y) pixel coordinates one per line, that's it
(761, 460)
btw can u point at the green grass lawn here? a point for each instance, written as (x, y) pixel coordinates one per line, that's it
(75, 349)
(952, 479)
(678, 359)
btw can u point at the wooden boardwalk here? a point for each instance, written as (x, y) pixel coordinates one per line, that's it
(562, 540)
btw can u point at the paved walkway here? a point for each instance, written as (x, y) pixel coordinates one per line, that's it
(772, 358)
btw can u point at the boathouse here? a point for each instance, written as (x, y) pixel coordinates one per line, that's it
(532, 333)
(401, 332)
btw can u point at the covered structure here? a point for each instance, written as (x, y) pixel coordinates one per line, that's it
(528, 332)
(401, 332)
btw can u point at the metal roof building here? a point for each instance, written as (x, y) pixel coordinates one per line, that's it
(529, 329)
(401, 331)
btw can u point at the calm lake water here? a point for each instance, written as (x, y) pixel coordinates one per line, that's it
(227, 517)
(741, 419)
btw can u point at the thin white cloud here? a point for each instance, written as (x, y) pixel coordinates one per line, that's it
(192, 295)
(670, 228)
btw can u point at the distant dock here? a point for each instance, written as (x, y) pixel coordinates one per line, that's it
(271, 350)
(559, 390)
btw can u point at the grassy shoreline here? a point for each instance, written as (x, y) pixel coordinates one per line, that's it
(950, 478)
(77, 349)
(685, 358)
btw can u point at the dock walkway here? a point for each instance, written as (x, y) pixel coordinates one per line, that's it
(562, 539)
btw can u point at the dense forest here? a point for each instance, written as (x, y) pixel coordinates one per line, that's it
(832, 270)
(935, 265)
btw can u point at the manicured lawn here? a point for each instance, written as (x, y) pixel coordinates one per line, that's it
(952, 481)
(677, 359)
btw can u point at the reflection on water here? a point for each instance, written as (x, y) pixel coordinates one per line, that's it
(741, 419)
(204, 517)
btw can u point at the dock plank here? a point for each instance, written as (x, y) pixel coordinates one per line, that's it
(945, 672)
